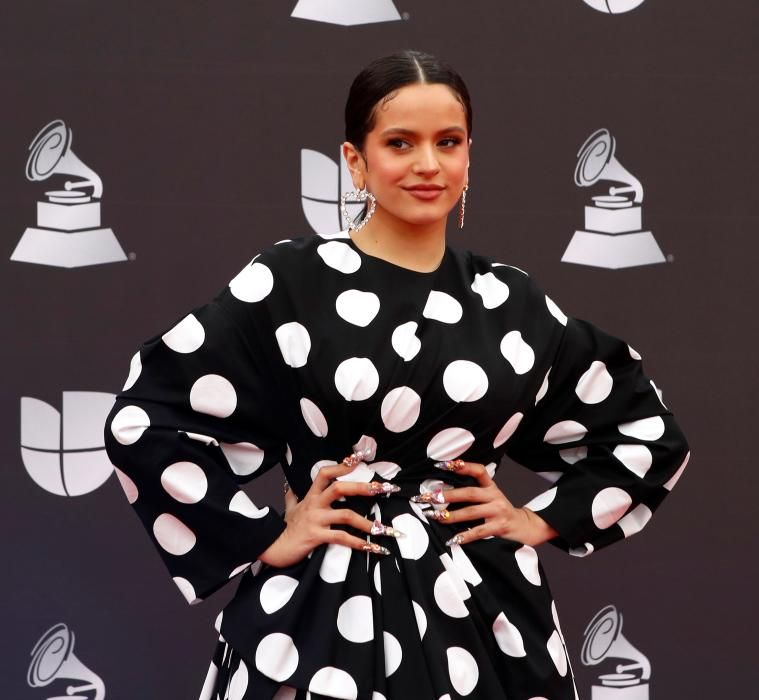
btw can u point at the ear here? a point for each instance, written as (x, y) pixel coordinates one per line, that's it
(355, 163)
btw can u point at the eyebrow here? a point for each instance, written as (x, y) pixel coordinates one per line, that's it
(409, 132)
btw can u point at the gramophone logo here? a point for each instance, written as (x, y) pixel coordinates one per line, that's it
(64, 452)
(322, 182)
(614, 7)
(347, 12)
(625, 671)
(54, 663)
(612, 237)
(68, 231)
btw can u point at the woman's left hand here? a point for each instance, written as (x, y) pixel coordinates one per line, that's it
(501, 518)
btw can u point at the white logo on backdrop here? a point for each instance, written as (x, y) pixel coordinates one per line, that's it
(614, 7)
(68, 231)
(605, 643)
(347, 12)
(322, 181)
(63, 451)
(612, 237)
(53, 660)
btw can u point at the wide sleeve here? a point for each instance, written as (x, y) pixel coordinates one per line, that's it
(199, 416)
(601, 434)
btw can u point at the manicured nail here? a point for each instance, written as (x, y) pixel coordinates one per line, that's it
(456, 539)
(439, 515)
(376, 487)
(379, 528)
(354, 459)
(451, 465)
(375, 548)
(435, 496)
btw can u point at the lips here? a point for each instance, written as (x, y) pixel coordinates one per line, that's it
(424, 188)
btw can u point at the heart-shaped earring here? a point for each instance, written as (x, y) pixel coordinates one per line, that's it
(362, 195)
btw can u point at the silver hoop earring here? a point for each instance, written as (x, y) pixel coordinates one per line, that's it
(463, 206)
(362, 195)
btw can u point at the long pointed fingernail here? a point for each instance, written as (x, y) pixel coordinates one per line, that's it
(354, 459)
(375, 548)
(378, 528)
(439, 515)
(376, 487)
(436, 496)
(456, 539)
(451, 465)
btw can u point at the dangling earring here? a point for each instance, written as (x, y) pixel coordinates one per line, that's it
(362, 195)
(463, 206)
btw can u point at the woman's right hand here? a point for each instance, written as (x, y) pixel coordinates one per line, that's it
(308, 520)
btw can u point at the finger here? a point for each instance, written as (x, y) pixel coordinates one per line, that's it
(461, 515)
(474, 469)
(471, 535)
(346, 516)
(337, 489)
(469, 494)
(327, 474)
(342, 537)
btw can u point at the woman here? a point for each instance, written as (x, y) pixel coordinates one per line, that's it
(388, 374)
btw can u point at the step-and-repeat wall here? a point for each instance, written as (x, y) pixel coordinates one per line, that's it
(150, 149)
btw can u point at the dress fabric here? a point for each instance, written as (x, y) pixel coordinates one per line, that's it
(316, 349)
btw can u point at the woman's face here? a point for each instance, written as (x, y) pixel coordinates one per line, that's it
(419, 138)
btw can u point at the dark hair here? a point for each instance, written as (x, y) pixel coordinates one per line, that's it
(383, 76)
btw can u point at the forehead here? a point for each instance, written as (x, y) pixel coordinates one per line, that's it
(420, 108)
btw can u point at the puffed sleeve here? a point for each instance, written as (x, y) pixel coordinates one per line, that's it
(199, 416)
(600, 432)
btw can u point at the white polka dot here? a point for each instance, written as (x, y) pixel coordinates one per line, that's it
(583, 550)
(634, 353)
(362, 472)
(609, 505)
(127, 485)
(339, 256)
(337, 234)
(551, 477)
(517, 352)
(321, 463)
(253, 283)
(173, 535)
(490, 468)
(565, 431)
(462, 670)
(421, 618)
(186, 337)
(241, 504)
(294, 343)
(595, 384)
(463, 565)
(378, 696)
(187, 590)
(450, 592)
(449, 443)
(414, 544)
(637, 458)
(635, 520)
(356, 378)
(243, 457)
(314, 418)
(491, 289)
(377, 578)
(404, 340)
(644, 429)
(387, 470)
(334, 566)
(543, 388)
(184, 482)
(355, 619)
(527, 561)
(508, 429)
(135, 369)
(288, 454)
(542, 500)
(555, 311)
(571, 455)
(238, 684)
(393, 653)
(676, 476)
(508, 637)
(557, 653)
(659, 394)
(276, 656)
(356, 307)
(239, 569)
(368, 445)
(442, 307)
(285, 692)
(276, 592)
(465, 381)
(213, 395)
(129, 424)
(334, 682)
(400, 409)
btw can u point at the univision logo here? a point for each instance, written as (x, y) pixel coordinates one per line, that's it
(63, 451)
(614, 7)
(346, 12)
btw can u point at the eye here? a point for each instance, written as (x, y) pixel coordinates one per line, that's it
(452, 141)
(397, 143)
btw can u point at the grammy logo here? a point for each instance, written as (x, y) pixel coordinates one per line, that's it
(346, 12)
(68, 231)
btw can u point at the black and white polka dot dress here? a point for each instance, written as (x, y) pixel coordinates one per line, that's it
(315, 350)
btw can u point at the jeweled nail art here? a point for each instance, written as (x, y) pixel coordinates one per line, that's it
(377, 487)
(451, 465)
(378, 528)
(375, 548)
(456, 539)
(439, 515)
(354, 459)
(436, 496)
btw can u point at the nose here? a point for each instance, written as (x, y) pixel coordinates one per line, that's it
(427, 160)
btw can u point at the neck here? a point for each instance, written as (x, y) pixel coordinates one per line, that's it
(418, 247)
